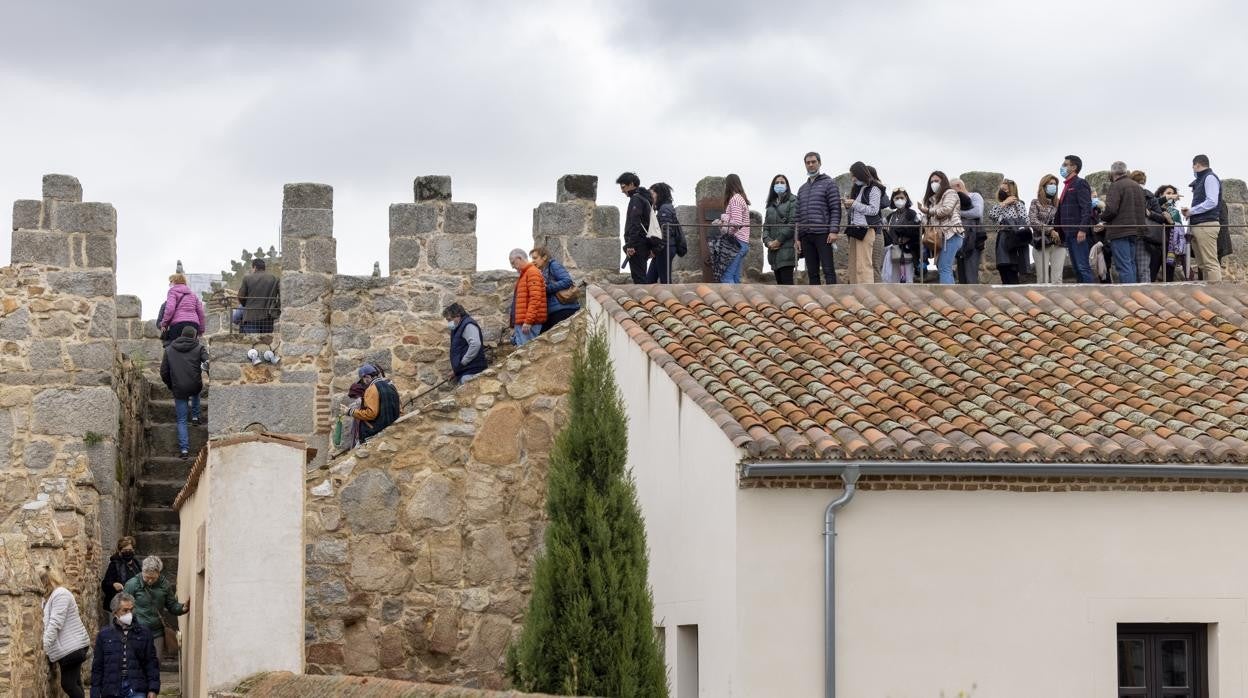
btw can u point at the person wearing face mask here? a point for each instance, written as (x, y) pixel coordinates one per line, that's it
(864, 204)
(671, 243)
(778, 230)
(152, 593)
(125, 664)
(1010, 215)
(941, 209)
(636, 223)
(561, 302)
(818, 221)
(467, 345)
(122, 566)
(1050, 248)
(1101, 256)
(1150, 252)
(971, 210)
(903, 233)
(1177, 248)
(1071, 219)
(1125, 219)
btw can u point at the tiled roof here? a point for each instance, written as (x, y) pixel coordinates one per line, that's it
(1077, 373)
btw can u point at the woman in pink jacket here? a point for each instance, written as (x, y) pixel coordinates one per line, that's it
(182, 307)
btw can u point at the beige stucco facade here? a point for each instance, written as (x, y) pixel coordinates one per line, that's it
(1018, 594)
(241, 548)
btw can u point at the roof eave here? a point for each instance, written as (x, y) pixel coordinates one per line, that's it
(762, 469)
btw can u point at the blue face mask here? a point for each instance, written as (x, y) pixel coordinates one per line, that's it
(1050, 189)
(1096, 201)
(779, 189)
(1063, 172)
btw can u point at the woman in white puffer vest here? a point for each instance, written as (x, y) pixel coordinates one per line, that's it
(65, 638)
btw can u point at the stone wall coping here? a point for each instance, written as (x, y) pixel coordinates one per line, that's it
(201, 459)
(281, 684)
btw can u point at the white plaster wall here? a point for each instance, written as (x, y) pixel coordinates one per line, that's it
(192, 513)
(686, 483)
(253, 605)
(1016, 593)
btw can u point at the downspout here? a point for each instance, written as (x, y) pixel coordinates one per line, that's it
(850, 478)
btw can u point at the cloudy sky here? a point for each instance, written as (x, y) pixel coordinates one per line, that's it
(189, 117)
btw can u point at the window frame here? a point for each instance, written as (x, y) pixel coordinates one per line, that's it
(1153, 634)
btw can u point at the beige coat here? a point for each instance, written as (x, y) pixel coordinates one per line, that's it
(946, 214)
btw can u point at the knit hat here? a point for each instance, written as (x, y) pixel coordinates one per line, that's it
(368, 370)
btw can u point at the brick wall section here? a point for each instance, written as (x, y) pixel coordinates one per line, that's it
(284, 685)
(963, 483)
(420, 544)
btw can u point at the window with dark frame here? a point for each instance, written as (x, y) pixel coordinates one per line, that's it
(1163, 660)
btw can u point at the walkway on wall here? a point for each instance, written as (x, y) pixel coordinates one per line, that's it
(162, 477)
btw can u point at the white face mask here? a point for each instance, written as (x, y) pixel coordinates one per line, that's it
(899, 203)
(451, 324)
(935, 186)
(125, 619)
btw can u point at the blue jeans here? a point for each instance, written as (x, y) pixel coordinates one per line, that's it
(732, 275)
(1079, 252)
(520, 338)
(1123, 252)
(180, 406)
(944, 263)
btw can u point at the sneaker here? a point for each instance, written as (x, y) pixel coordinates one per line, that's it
(185, 454)
(271, 357)
(254, 356)
(195, 421)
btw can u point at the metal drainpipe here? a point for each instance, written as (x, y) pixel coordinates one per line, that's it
(850, 478)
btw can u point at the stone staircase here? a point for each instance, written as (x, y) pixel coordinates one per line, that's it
(161, 478)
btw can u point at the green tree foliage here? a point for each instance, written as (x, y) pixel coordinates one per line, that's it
(589, 630)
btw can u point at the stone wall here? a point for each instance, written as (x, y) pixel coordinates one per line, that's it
(420, 543)
(285, 685)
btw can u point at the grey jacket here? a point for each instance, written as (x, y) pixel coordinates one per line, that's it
(260, 295)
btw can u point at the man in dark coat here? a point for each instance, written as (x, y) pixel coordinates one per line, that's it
(1126, 221)
(182, 370)
(1074, 211)
(124, 662)
(818, 221)
(636, 225)
(260, 298)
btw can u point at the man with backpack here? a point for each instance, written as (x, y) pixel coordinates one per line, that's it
(182, 370)
(380, 406)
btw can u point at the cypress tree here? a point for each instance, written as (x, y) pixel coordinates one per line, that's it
(589, 630)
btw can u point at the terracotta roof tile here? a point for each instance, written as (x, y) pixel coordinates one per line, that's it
(1098, 374)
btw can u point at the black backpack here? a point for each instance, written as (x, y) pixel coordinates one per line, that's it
(682, 245)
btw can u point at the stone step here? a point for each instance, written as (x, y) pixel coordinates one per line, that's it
(157, 391)
(156, 519)
(167, 468)
(162, 543)
(163, 411)
(169, 681)
(158, 493)
(162, 440)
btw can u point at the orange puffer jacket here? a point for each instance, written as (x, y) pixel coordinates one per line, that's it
(528, 305)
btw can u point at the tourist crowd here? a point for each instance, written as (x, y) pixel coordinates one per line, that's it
(1125, 234)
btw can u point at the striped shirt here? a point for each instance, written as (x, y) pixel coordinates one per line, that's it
(63, 631)
(737, 218)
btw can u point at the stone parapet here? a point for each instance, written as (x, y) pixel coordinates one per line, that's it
(285, 685)
(61, 230)
(433, 234)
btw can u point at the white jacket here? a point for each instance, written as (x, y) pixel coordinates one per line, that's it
(63, 631)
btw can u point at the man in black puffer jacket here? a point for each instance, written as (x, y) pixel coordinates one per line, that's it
(818, 221)
(124, 662)
(182, 370)
(636, 225)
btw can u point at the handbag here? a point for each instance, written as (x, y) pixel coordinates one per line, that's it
(856, 232)
(171, 641)
(934, 238)
(568, 295)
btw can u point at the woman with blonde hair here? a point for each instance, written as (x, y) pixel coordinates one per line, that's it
(182, 308)
(65, 639)
(1047, 241)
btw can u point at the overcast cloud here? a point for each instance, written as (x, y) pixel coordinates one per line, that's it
(189, 117)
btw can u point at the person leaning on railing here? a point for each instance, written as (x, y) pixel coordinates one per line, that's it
(260, 298)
